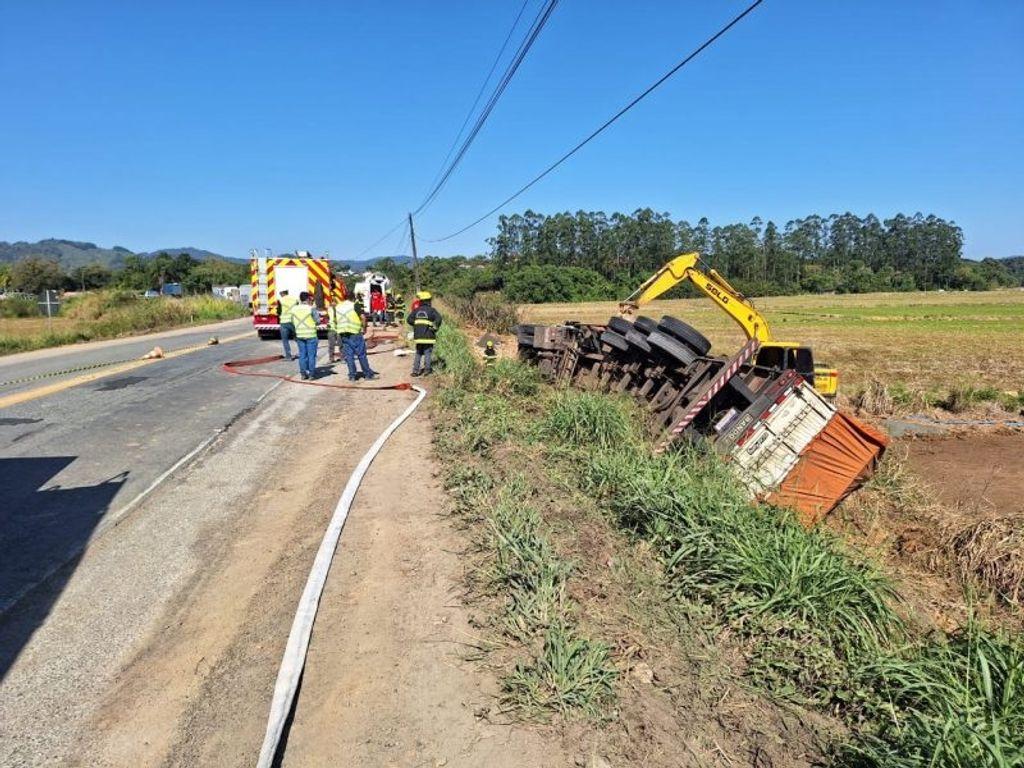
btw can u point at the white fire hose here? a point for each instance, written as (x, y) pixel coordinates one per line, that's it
(294, 658)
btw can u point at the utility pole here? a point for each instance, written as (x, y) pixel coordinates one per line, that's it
(415, 260)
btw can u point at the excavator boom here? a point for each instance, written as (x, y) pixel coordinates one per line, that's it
(711, 284)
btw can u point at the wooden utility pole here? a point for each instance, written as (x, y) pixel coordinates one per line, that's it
(415, 260)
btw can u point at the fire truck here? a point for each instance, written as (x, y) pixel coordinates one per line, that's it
(295, 274)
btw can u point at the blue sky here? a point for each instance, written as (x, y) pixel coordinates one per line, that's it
(229, 125)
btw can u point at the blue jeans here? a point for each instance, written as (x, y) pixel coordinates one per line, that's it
(354, 348)
(423, 352)
(287, 332)
(307, 355)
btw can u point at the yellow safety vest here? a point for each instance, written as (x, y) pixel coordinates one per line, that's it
(305, 325)
(287, 305)
(345, 322)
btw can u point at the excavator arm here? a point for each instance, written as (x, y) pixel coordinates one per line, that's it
(711, 284)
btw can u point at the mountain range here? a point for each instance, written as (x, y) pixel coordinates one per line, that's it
(74, 253)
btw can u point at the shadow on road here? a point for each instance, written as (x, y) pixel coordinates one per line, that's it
(43, 532)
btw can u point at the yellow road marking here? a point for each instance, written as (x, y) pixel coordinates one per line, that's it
(34, 394)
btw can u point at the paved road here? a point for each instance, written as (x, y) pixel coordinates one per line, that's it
(72, 459)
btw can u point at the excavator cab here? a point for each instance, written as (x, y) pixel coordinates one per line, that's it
(788, 356)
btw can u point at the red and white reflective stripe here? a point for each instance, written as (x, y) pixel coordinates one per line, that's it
(716, 386)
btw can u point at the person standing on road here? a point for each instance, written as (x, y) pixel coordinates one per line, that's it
(305, 318)
(425, 322)
(353, 345)
(284, 315)
(334, 340)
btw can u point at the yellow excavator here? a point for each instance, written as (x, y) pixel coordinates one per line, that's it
(771, 353)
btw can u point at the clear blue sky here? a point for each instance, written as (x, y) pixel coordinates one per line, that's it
(235, 124)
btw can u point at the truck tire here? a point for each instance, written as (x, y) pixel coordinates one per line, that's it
(645, 325)
(638, 341)
(620, 325)
(672, 347)
(615, 341)
(685, 333)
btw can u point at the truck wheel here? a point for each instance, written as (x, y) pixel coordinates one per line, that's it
(671, 347)
(638, 341)
(620, 325)
(685, 333)
(615, 341)
(645, 325)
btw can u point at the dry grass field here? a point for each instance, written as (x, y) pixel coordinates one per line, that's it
(925, 341)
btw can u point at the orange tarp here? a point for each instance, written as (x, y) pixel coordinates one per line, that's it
(834, 464)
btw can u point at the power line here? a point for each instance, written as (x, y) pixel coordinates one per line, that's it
(524, 48)
(444, 173)
(378, 241)
(707, 43)
(480, 92)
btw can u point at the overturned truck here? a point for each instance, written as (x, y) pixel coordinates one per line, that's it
(783, 441)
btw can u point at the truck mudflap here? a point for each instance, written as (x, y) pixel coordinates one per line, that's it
(834, 464)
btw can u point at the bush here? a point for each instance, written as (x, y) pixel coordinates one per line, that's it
(538, 284)
(19, 306)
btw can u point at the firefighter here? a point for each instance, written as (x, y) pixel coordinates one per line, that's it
(490, 354)
(305, 318)
(353, 345)
(399, 309)
(284, 315)
(425, 322)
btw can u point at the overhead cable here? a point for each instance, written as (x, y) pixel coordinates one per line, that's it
(524, 48)
(696, 52)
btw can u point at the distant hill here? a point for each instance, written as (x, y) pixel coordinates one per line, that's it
(361, 265)
(196, 253)
(74, 253)
(69, 253)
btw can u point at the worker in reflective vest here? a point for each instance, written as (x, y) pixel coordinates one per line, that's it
(284, 317)
(334, 341)
(353, 345)
(305, 318)
(425, 322)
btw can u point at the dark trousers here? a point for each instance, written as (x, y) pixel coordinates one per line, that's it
(424, 353)
(287, 332)
(354, 347)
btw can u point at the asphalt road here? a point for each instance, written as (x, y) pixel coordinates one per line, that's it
(72, 461)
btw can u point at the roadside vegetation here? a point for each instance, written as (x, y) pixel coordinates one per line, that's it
(109, 314)
(814, 623)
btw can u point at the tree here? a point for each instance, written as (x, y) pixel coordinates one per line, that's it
(35, 274)
(90, 276)
(5, 276)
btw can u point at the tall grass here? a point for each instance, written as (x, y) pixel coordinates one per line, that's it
(113, 313)
(487, 310)
(957, 701)
(479, 410)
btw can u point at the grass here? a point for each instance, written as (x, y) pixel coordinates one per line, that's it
(110, 314)
(957, 701)
(937, 341)
(558, 669)
(817, 624)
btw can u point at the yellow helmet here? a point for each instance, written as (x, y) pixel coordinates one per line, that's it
(490, 343)
(424, 296)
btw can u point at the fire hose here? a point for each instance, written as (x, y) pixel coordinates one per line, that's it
(294, 658)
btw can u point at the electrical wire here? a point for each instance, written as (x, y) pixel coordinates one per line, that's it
(378, 241)
(700, 49)
(479, 93)
(524, 48)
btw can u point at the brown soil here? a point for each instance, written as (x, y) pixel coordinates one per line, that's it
(973, 472)
(946, 486)
(385, 683)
